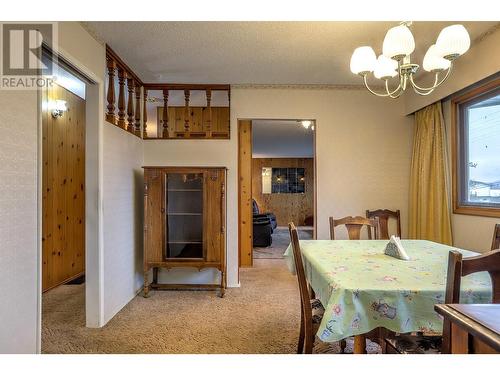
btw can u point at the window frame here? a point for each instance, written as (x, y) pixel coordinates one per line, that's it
(459, 150)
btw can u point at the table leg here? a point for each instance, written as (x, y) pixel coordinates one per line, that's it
(359, 344)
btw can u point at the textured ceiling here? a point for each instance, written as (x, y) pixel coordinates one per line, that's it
(255, 52)
(281, 139)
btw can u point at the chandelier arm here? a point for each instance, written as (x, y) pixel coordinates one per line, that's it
(374, 92)
(436, 81)
(423, 93)
(398, 91)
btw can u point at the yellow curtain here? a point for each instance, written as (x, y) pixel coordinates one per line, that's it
(429, 193)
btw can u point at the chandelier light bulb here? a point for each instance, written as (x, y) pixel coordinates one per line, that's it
(398, 42)
(395, 60)
(452, 42)
(363, 60)
(385, 68)
(433, 62)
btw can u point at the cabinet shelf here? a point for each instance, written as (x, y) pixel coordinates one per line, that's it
(185, 242)
(185, 190)
(184, 213)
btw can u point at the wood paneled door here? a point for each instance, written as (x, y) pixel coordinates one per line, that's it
(63, 189)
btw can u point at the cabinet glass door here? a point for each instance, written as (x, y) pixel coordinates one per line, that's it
(184, 215)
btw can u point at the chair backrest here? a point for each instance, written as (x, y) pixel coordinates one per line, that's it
(299, 269)
(354, 225)
(305, 298)
(458, 267)
(255, 207)
(383, 216)
(495, 244)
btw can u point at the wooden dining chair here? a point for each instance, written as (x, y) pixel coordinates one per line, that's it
(354, 226)
(383, 216)
(495, 244)
(308, 317)
(458, 267)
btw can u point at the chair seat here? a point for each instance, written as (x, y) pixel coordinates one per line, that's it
(414, 344)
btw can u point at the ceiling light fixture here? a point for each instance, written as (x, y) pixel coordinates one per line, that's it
(452, 42)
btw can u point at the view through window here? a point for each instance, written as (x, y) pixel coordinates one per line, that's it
(481, 150)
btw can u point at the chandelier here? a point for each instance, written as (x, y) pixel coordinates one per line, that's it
(395, 61)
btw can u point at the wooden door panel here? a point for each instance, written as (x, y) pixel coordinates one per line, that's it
(63, 189)
(214, 225)
(245, 226)
(154, 216)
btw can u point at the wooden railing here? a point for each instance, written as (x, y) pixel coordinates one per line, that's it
(198, 122)
(123, 113)
(173, 122)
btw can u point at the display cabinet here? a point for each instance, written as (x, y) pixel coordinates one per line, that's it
(184, 222)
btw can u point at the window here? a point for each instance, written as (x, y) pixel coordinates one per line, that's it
(283, 180)
(477, 162)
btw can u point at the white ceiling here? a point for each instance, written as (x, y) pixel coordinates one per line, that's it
(254, 52)
(281, 139)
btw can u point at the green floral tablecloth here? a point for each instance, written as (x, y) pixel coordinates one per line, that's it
(361, 288)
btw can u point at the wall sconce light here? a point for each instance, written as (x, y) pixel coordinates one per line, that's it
(58, 107)
(306, 123)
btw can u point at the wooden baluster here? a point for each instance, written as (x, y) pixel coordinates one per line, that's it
(121, 98)
(110, 114)
(137, 110)
(186, 111)
(165, 114)
(145, 114)
(130, 105)
(209, 109)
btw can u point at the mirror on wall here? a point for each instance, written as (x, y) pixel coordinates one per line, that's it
(283, 180)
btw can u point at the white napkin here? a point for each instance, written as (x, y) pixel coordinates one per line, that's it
(395, 249)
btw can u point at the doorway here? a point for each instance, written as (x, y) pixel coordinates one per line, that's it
(277, 185)
(63, 186)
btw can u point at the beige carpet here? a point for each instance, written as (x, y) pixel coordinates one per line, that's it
(281, 240)
(260, 317)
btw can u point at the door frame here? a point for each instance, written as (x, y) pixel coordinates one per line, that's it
(245, 223)
(94, 123)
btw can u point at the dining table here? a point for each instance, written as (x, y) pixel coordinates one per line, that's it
(362, 288)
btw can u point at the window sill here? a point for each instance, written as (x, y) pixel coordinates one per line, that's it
(477, 211)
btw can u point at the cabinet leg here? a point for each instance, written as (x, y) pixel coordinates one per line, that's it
(145, 291)
(155, 275)
(222, 284)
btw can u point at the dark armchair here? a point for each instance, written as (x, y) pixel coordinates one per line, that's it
(263, 226)
(257, 214)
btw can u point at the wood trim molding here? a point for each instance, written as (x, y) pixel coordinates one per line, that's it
(302, 87)
(459, 208)
(187, 86)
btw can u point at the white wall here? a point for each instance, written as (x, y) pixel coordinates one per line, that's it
(19, 239)
(363, 154)
(122, 225)
(120, 189)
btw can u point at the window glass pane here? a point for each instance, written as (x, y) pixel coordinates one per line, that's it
(483, 153)
(288, 180)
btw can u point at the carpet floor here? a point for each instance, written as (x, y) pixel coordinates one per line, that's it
(281, 240)
(262, 316)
